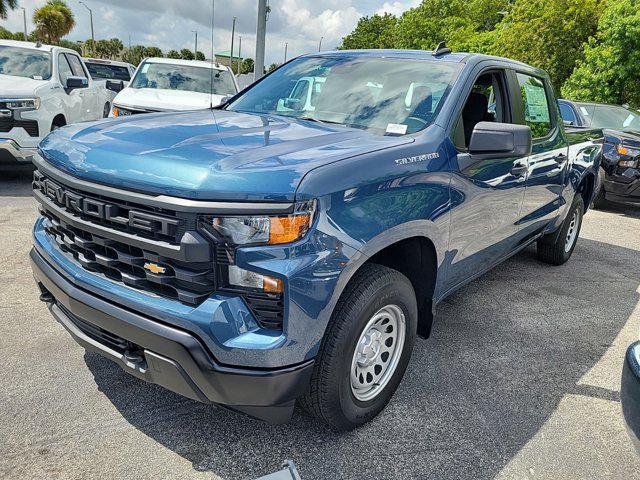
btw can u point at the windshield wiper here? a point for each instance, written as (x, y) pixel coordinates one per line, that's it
(313, 119)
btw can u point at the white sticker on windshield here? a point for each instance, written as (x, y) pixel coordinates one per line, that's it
(396, 128)
(37, 77)
(584, 111)
(145, 67)
(629, 120)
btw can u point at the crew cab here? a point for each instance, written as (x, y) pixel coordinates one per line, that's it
(166, 84)
(254, 258)
(619, 127)
(42, 87)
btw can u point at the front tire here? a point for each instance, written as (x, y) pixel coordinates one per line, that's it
(599, 200)
(366, 349)
(556, 248)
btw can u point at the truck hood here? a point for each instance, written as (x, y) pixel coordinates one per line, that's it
(206, 154)
(15, 87)
(163, 100)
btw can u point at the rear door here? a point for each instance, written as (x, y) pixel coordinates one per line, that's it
(90, 109)
(535, 106)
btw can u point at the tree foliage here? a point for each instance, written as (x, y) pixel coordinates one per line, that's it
(200, 55)
(53, 21)
(377, 31)
(610, 70)
(5, 6)
(187, 54)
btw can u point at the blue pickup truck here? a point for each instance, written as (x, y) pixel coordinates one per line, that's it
(273, 251)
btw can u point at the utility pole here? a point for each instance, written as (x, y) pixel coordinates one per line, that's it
(285, 52)
(93, 38)
(320, 44)
(195, 49)
(261, 32)
(233, 34)
(239, 53)
(24, 17)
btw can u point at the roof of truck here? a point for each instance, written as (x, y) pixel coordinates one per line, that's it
(192, 63)
(32, 45)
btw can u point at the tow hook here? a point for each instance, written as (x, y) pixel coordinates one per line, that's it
(46, 297)
(135, 359)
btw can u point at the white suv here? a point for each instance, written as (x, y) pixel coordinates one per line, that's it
(42, 87)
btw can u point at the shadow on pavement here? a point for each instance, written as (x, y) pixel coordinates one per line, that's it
(626, 209)
(16, 183)
(504, 352)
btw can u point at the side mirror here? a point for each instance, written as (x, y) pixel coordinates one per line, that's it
(77, 82)
(567, 123)
(115, 85)
(500, 140)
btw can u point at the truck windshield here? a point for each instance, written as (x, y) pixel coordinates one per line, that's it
(388, 95)
(183, 77)
(609, 116)
(108, 72)
(25, 62)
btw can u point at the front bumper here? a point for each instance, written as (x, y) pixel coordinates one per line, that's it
(623, 188)
(166, 355)
(13, 154)
(630, 392)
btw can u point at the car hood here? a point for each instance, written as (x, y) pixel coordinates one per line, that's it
(163, 100)
(14, 87)
(629, 138)
(207, 154)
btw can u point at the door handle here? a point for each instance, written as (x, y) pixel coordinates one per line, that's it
(560, 158)
(519, 170)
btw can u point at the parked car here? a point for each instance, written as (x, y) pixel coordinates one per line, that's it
(630, 393)
(253, 258)
(42, 87)
(104, 69)
(163, 84)
(620, 128)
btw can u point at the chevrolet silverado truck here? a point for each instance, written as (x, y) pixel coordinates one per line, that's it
(253, 258)
(42, 87)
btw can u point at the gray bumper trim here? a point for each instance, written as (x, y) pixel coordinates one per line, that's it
(22, 155)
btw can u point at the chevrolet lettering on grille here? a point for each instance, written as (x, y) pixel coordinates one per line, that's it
(101, 210)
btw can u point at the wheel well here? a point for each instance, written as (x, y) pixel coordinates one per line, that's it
(59, 120)
(416, 259)
(586, 189)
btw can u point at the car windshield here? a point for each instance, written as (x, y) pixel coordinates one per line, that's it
(25, 62)
(108, 72)
(387, 95)
(183, 77)
(610, 116)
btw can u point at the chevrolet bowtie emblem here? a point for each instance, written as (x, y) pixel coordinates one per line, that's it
(154, 268)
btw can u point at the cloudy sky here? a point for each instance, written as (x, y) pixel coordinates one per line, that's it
(168, 24)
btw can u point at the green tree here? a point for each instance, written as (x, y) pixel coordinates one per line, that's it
(247, 66)
(549, 34)
(377, 31)
(173, 54)
(7, 35)
(272, 67)
(186, 54)
(53, 21)
(134, 55)
(115, 47)
(103, 49)
(71, 45)
(610, 70)
(5, 6)
(153, 52)
(200, 56)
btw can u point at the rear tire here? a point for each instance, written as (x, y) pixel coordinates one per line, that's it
(556, 248)
(365, 350)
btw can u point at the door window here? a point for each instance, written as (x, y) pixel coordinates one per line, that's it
(76, 66)
(567, 114)
(536, 105)
(64, 70)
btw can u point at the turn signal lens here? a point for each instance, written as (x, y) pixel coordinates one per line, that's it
(116, 112)
(627, 151)
(288, 229)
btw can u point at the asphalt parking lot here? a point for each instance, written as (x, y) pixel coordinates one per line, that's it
(520, 379)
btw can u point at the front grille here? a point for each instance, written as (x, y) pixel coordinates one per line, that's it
(111, 340)
(190, 283)
(117, 214)
(31, 126)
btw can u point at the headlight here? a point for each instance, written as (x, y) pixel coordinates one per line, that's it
(261, 230)
(24, 103)
(631, 155)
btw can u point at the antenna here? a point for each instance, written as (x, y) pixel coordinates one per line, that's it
(441, 49)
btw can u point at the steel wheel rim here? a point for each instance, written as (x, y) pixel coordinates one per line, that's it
(572, 233)
(377, 352)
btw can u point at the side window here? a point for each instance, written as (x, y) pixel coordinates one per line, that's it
(64, 70)
(536, 106)
(567, 114)
(76, 65)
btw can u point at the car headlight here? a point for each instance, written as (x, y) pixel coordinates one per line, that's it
(24, 103)
(119, 112)
(261, 229)
(630, 156)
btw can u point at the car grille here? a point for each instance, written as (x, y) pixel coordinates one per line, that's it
(189, 283)
(31, 126)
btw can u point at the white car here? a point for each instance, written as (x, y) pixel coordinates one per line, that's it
(42, 87)
(166, 84)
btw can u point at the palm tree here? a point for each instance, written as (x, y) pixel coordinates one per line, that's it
(53, 21)
(5, 6)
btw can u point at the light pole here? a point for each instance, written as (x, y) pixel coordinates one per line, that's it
(285, 52)
(239, 52)
(195, 50)
(24, 18)
(320, 44)
(233, 34)
(93, 38)
(261, 31)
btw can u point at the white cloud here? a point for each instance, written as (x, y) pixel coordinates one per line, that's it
(397, 8)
